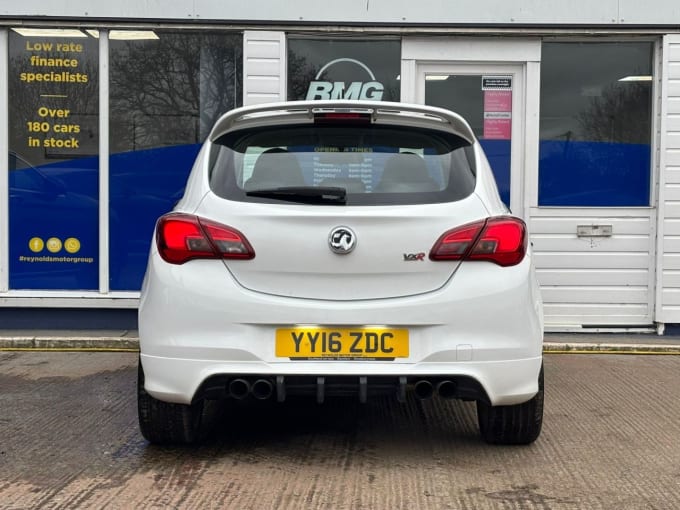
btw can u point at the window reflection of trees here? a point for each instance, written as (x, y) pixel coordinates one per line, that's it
(621, 114)
(170, 91)
(300, 72)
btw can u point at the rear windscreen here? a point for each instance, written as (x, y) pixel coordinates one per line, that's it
(374, 164)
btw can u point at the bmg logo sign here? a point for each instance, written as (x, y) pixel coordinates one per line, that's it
(340, 90)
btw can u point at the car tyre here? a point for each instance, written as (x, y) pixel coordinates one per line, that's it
(515, 424)
(167, 423)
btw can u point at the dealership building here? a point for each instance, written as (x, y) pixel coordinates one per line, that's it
(103, 107)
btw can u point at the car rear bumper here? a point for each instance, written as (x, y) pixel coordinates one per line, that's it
(500, 383)
(485, 324)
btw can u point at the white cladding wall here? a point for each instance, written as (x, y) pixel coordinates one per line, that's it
(668, 307)
(594, 281)
(461, 12)
(264, 67)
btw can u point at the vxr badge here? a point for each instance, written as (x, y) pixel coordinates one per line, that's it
(408, 257)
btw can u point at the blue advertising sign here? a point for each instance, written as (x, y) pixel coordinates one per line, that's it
(53, 163)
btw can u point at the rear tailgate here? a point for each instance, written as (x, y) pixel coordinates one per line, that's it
(294, 258)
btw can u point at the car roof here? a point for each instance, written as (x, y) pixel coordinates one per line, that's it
(381, 112)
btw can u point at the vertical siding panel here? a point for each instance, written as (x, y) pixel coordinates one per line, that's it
(264, 67)
(668, 283)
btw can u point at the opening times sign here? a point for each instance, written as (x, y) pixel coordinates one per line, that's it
(497, 107)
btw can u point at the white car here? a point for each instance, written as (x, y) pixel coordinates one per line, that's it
(330, 248)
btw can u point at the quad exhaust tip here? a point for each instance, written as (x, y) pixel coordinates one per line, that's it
(239, 389)
(423, 389)
(262, 389)
(446, 389)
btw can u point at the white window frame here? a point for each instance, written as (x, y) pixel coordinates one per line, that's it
(4, 160)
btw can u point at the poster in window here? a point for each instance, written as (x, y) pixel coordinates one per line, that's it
(53, 163)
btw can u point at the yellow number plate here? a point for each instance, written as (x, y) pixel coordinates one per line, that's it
(342, 343)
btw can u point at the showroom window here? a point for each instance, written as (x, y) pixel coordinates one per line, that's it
(595, 124)
(53, 159)
(333, 68)
(167, 88)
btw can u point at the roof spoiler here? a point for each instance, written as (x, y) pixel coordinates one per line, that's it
(381, 112)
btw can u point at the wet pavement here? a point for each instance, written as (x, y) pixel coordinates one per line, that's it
(69, 439)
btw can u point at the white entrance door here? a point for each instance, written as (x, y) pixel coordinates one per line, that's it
(491, 98)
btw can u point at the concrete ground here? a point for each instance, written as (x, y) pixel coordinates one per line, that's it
(611, 439)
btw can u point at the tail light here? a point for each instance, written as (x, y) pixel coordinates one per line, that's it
(501, 240)
(182, 237)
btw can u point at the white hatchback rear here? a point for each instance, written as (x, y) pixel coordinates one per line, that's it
(340, 248)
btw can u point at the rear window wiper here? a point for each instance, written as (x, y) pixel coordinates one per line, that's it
(304, 194)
